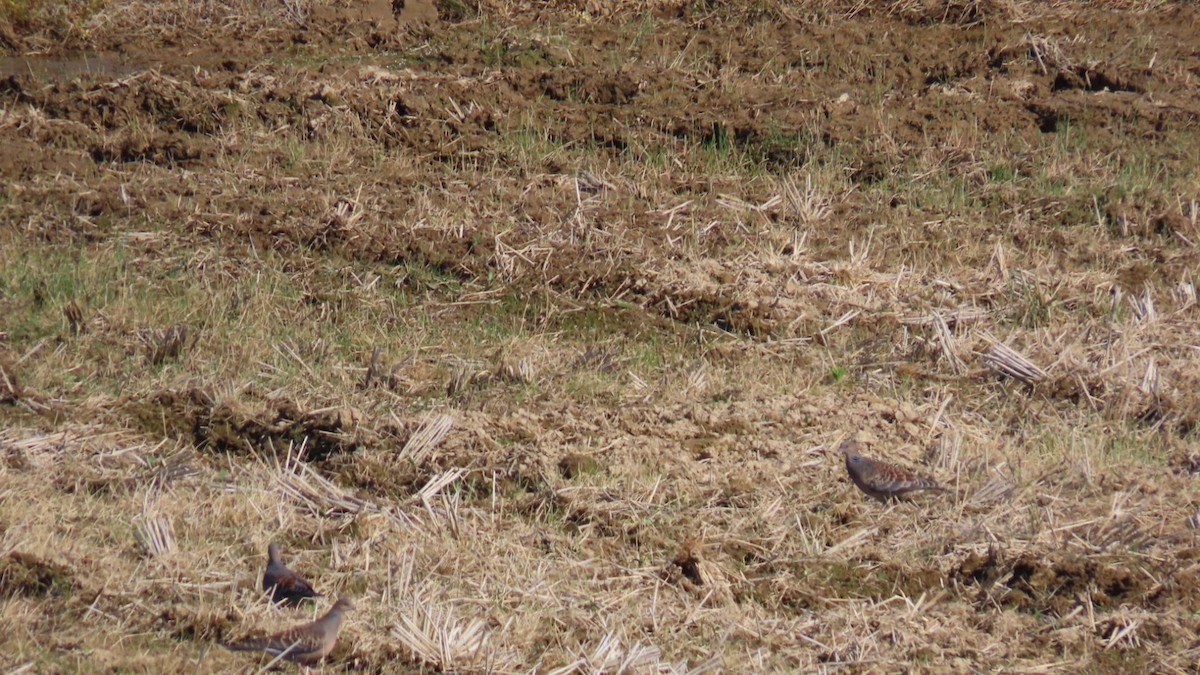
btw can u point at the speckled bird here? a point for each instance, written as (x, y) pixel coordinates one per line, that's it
(284, 585)
(305, 644)
(881, 480)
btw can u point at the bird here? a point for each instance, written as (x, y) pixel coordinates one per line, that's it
(882, 480)
(306, 644)
(284, 585)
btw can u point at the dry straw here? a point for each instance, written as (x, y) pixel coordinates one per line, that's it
(440, 640)
(299, 481)
(156, 535)
(1011, 363)
(421, 444)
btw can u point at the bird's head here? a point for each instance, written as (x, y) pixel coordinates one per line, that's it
(849, 449)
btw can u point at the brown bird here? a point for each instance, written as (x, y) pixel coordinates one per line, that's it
(306, 644)
(284, 585)
(879, 479)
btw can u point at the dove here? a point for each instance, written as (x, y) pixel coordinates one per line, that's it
(284, 585)
(879, 479)
(305, 644)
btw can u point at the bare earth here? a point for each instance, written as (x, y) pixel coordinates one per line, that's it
(534, 327)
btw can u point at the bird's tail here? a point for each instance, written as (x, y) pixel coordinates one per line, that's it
(943, 488)
(246, 645)
(294, 598)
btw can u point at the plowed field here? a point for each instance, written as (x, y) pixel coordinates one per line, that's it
(534, 328)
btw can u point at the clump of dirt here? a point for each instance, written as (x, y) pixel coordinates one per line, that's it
(30, 575)
(151, 100)
(155, 148)
(230, 426)
(379, 473)
(828, 579)
(979, 568)
(171, 413)
(955, 12)
(573, 465)
(686, 564)
(1056, 584)
(10, 389)
(692, 570)
(206, 624)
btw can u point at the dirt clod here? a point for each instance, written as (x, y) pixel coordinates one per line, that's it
(10, 388)
(25, 574)
(574, 465)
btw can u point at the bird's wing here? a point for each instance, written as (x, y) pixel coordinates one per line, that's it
(295, 642)
(896, 479)
(292, 582)
(287, 583)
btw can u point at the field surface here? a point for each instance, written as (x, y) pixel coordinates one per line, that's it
(533, 327)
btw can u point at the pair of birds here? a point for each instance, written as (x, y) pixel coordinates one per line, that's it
(882, 480)
(308, 643)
